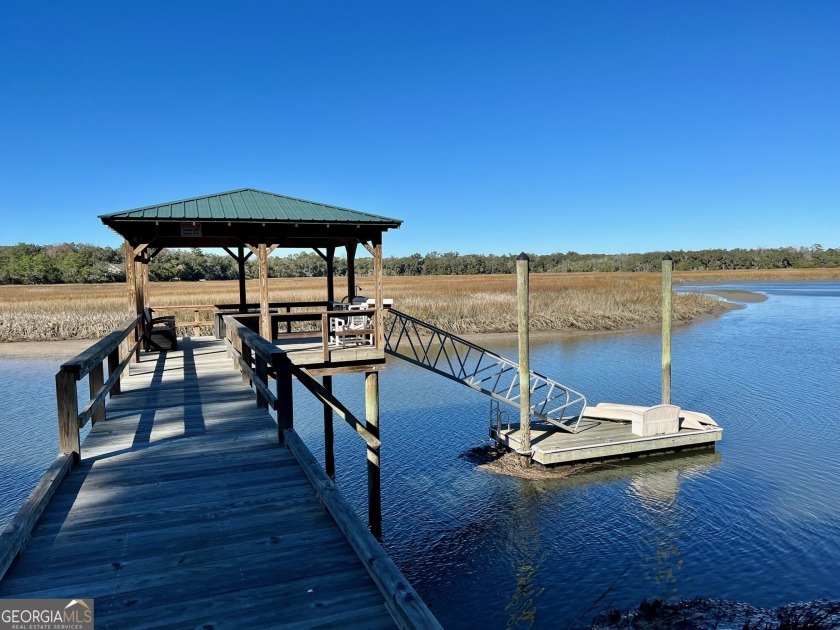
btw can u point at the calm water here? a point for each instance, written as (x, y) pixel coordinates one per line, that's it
(757, 521)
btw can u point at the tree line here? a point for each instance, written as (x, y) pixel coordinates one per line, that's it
(26, 263)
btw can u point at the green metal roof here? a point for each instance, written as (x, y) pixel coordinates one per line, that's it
(248, 204)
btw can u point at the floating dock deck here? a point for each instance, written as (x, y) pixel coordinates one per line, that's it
(185, 511)
(600, 439)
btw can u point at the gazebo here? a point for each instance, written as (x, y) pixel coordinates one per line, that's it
(247, 223)
(250, 222)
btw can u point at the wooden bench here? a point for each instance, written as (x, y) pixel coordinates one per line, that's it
(158, 332)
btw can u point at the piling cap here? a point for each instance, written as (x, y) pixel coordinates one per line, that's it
(523, 256)
(667, 257)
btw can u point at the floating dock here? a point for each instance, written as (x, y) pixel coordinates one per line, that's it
(564, 429)
(606, 432)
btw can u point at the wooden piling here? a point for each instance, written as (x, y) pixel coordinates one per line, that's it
(374, 477)
(667, 269)
(522, 300)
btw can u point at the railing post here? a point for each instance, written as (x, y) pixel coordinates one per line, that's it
(236, 344)
(325, 339)
(329, 437)
(246, 357)
(373, 469)
(95, 382)
(288, 321)
(68, 413)
(285, 403)
(132, 340)
(262, 375)
(197, 323)
(113, 366)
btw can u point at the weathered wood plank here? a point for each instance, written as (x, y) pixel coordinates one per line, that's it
(14, 536)
(161, 567)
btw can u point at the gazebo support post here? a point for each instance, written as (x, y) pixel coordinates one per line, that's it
(377, 291)
(329, 435)
(375, 249)
(130, 280)
(240, 261)
(351, 270)
(144, 280)
(265, 316)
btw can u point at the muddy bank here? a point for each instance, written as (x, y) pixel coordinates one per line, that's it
(738, 295)
(571, 333)
(58, 350)
(499, 461)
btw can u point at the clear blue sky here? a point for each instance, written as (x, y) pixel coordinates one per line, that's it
(488, 127)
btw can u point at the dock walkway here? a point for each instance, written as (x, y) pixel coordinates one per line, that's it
(185, 511)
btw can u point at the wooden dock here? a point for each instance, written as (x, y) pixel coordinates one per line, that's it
(186, 511)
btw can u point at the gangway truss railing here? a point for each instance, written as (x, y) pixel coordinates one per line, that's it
(427, 346)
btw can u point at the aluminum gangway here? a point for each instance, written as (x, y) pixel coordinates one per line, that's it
(443, 353)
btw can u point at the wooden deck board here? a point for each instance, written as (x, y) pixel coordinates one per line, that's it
(186, 511)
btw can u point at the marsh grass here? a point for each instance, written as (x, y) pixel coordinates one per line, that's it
(461, 304)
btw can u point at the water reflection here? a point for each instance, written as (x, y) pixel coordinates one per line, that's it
(527, 556)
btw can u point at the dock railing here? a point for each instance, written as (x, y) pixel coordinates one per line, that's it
(319, 325)
(315, 317)
(259, 361)
(204, 320)
(116, 350)
(91, 363)
(202, 317)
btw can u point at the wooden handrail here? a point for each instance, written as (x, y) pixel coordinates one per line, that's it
(268, 351)
(401, 600)
(246, 346)
(90, 363)
(236, 307)
(85, 361)
(310, 316)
